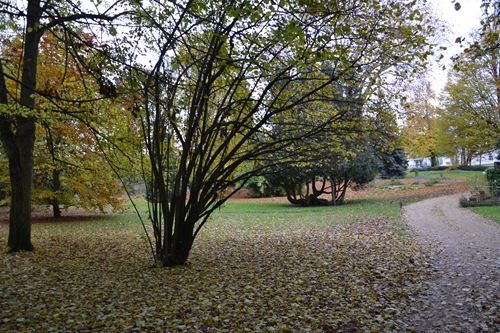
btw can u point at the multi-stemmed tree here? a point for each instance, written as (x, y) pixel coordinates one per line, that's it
(223, 72)
(205, 81)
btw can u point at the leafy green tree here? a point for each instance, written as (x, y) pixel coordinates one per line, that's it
(326, 185)
(484, 46)
(323, 163)
(469, 119)
(480, 61)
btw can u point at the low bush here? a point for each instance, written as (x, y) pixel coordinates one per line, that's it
(431, 181)
(467, 202)
(395, 181)
(434, 168)
(452, 168)
(473, 167)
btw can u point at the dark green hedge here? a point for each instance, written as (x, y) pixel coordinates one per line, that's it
(473, 167)
(435, 168)
(493, 177)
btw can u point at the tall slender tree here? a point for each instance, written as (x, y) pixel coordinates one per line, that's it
(420, 130)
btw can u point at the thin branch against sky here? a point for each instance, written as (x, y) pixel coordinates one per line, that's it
(460, 23)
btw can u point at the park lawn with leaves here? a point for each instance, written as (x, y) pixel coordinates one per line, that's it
(259, 265)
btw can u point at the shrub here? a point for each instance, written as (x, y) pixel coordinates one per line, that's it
(477, 183)
(467, 202)
(453, 167)
(261, 186)
(493, 178)
(431, 181)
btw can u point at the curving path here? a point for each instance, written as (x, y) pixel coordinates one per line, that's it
(462, 295)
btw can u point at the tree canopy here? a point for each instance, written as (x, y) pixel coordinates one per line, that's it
(66, 158)
(469, 120)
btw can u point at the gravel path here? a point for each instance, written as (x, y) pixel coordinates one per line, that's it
(462, 295)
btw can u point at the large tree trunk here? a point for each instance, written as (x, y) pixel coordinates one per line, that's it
(179, 253)
(21, 179)
(305, 199)
(19, 148)
(342, 191)
(18, 137)
(333, 184)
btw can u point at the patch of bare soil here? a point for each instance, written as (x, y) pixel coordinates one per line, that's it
(462, 294)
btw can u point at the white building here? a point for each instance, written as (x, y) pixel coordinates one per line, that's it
(487, 159)
(425, 162)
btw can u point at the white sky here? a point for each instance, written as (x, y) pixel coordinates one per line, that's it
(461, 23)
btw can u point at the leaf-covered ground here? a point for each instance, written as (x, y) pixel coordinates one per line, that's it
(325, 279)
(260, 265)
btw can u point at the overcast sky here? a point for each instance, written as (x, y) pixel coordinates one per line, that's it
(461, 23)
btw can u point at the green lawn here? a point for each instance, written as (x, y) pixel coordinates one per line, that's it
(250, 214)
(452, 174)
(492, 212)
(280, 214)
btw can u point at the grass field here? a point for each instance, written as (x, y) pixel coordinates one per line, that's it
(258, 265)
(492, 212)
(451, 174)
